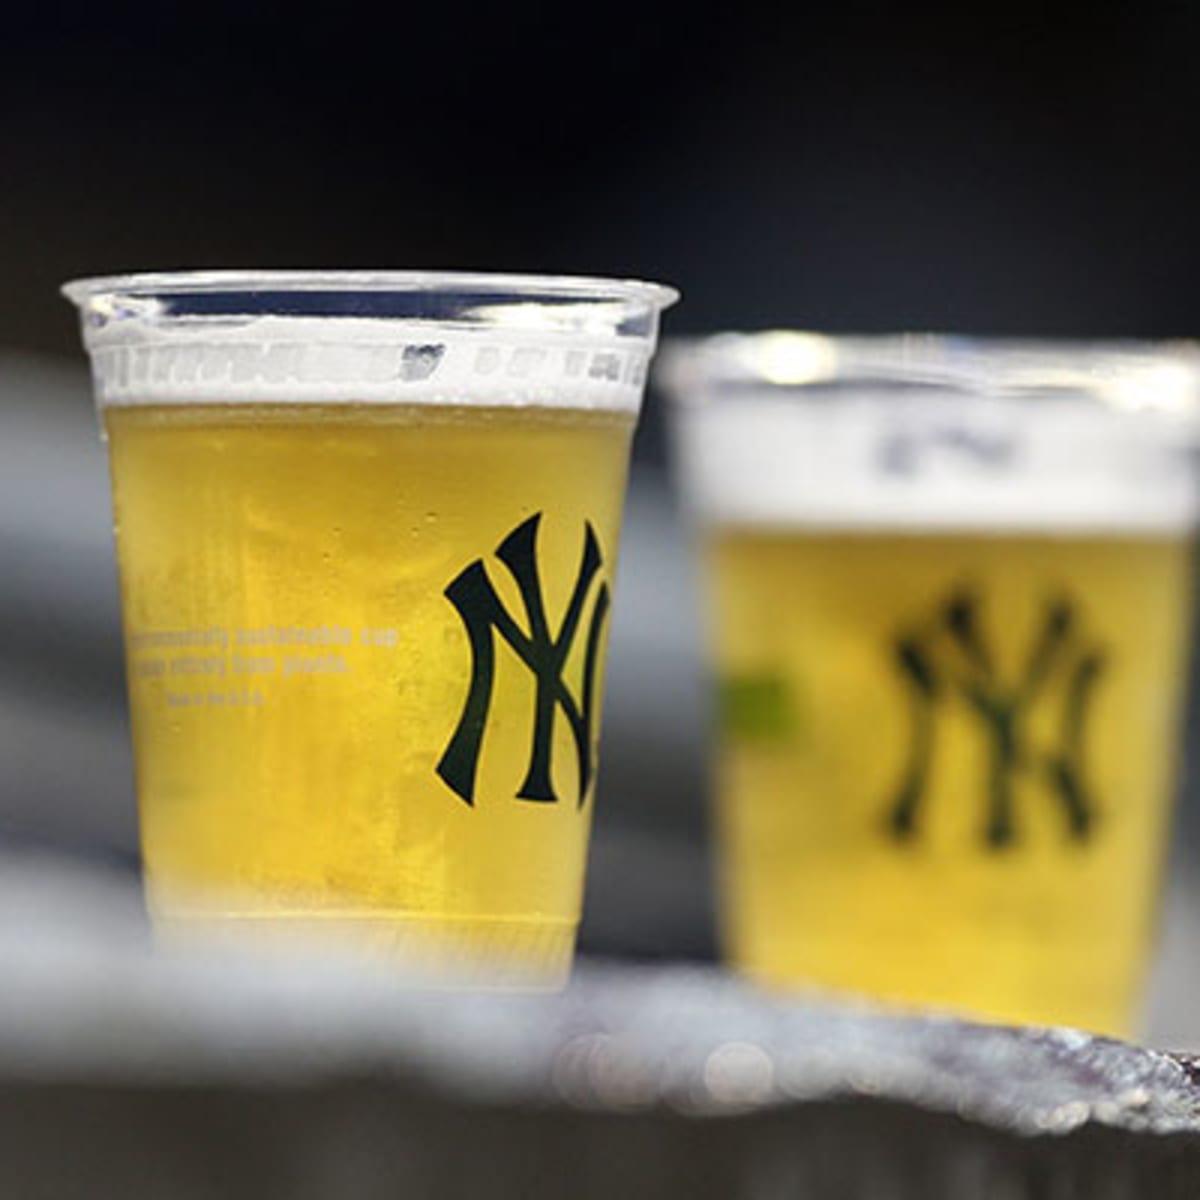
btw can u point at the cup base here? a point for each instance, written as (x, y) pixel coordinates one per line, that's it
(503, 953)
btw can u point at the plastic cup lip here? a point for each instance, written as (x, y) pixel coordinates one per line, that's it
(381, 336)
(1125, 372)
(565, 288)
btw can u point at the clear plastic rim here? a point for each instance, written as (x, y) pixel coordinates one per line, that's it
(382, 336)
(561, 287)
(1166, 373)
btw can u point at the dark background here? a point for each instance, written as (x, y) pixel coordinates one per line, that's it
(1015, 169)
(1007, 168)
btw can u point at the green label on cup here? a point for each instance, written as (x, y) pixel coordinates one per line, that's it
(754, 708)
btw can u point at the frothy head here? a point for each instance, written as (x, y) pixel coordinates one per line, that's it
(936, 433)
(369, 337)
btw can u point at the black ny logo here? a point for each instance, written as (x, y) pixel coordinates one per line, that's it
(544, 654)
(947, 661)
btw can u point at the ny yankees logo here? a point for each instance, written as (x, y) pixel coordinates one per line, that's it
(545, 655)
(948, 660)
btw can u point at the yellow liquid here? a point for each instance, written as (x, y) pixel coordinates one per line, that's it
(297, 670)
(891, 838)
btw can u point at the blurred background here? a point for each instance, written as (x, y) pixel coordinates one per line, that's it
(850, 167)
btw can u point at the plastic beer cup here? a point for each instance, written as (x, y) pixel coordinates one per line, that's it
(949, 599)
(367, 528)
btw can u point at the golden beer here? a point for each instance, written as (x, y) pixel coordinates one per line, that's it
(367, 531)
(949, 591)
(874, 836)
(296, 670)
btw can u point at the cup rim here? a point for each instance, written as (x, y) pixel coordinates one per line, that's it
(696, 367)
(565, 287)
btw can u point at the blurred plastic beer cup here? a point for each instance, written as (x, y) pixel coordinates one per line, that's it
(367, 527)
(949, 594)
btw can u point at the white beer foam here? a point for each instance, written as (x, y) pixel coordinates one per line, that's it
(932, 462)
(307, 360)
